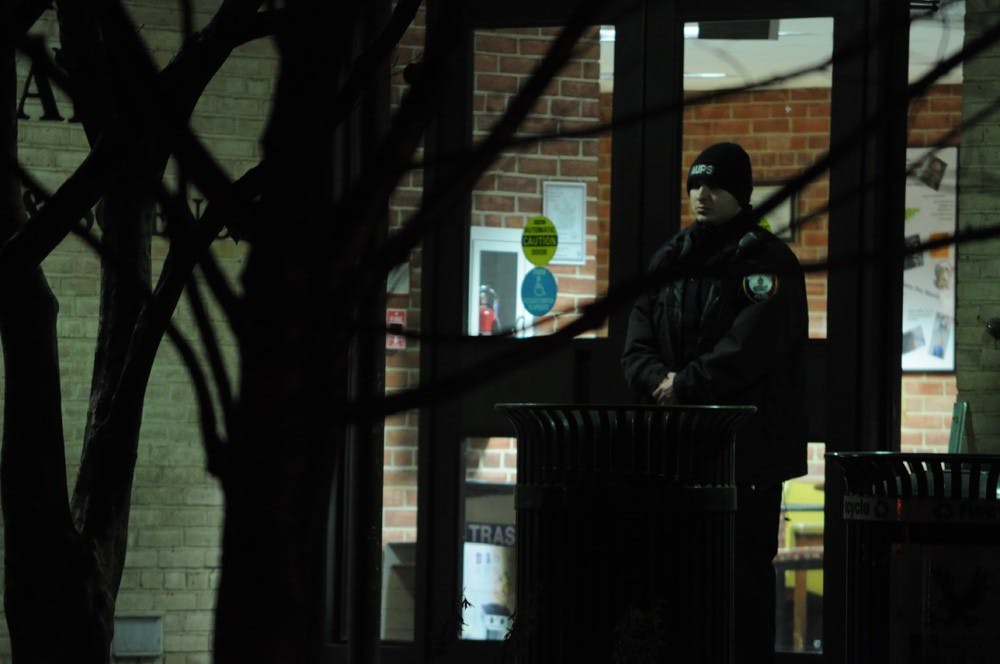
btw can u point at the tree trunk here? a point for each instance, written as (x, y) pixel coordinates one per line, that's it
(55, 598)
(277, 472)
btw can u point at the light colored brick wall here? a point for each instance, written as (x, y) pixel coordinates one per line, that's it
(977, 355)
(175, 524)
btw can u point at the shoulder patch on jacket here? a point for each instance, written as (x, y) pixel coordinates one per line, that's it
(749, 244)
(760, 287)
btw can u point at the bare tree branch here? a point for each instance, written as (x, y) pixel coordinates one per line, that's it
(187, 20)
(210, 343)
(203, 396)
(399, 246)
(32, 447)
(180, 84)
(360, 207)
(19, 16)
(76, 196)
(206, 411)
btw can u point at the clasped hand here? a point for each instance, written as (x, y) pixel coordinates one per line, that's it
(664, 392)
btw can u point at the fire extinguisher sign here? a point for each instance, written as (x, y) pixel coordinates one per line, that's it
(395, 322)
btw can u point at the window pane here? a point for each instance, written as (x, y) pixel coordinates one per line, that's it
(565, 179)
(399, 480)
(799, 564)
(399, 526)
(784, 128)
(489, 538)
(929, 391)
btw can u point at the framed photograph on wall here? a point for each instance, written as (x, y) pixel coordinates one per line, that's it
(781, 218)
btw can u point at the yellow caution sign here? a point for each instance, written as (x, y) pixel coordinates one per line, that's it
(539, 240)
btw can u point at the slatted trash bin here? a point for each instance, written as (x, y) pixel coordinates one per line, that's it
(624, 522)
(923, 557)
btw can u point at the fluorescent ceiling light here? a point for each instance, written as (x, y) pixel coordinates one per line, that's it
(706, 74)
(608, 32)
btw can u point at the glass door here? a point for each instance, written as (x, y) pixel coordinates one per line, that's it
(493, 303)
(827, 99)
(556, 169)
(613, 198)
(765, 83)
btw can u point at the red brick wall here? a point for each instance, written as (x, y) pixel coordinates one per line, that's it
(491, 460)
(402, 367)
(931, 117)
(603, 240)
(510, 192)
(926, 408)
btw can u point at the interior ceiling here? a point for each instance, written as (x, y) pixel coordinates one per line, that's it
(800, 43)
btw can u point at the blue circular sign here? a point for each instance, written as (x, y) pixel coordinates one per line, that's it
(538, 291)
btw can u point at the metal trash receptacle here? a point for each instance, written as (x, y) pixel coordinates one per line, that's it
(625, 532)
(923, 557)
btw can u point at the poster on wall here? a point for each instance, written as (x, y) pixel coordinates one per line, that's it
(488, 590)
(565, 203)
(929, 276)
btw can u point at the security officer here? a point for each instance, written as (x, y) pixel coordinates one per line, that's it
(730, 327)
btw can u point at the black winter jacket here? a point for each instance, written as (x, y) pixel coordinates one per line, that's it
(732, 321)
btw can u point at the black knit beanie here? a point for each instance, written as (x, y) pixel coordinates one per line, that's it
(724, 165)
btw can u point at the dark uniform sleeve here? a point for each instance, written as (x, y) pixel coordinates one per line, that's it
(642, 360)
(762, 336)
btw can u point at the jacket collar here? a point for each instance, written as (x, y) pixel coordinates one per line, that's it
(703, 240)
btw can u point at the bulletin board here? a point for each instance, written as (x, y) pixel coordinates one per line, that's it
(929, 275)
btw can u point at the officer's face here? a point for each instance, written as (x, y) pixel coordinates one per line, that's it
(712, 205)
